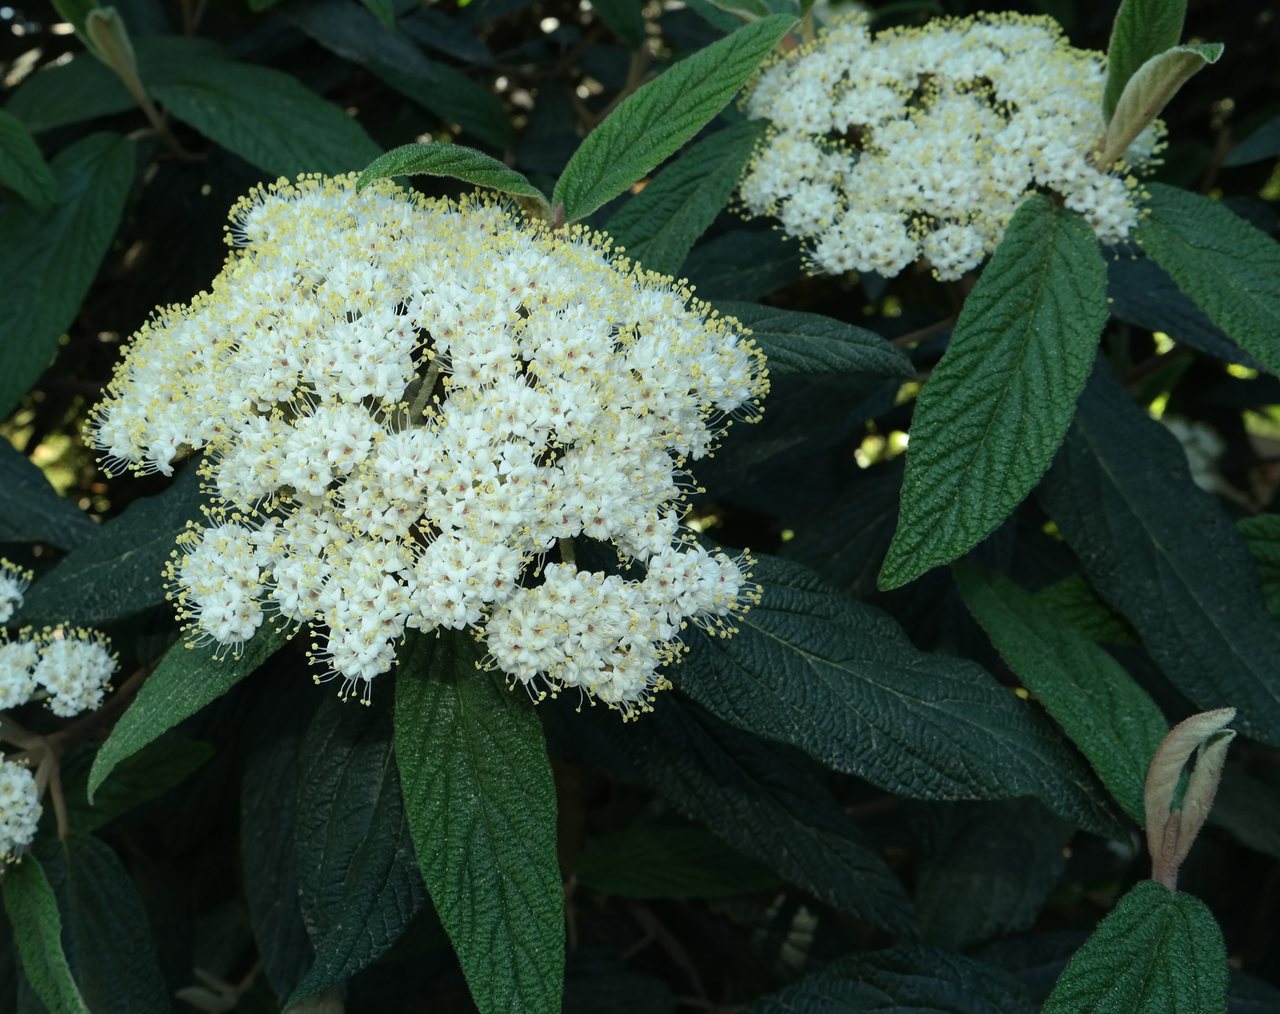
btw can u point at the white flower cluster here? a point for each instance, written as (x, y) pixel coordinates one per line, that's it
(71, 667)
(405, 404)
(19, 809)
(14, 582)
(921, 142)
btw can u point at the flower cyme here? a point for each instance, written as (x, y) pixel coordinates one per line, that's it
(19, 809)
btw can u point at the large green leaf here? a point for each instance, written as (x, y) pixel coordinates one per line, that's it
(462, 163)
(1229, 268)
(119, 570)
(33, 911)
(745, 264)
(1113, 721)
(482, 810)
(649, 125)
(358, 879)
(1263, 143)
(1073, 602)
(999, 403)
(904, 980)
(808, 343)
(1263, 536)
(30, 510)
(843, 682)
(1162, 553)
(659, 225)
(49, 258)
(185, 681)
(1157, 952)
(1142, 29)
(22, 167)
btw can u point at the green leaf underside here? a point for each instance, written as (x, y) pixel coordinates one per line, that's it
(1073, 601)
(841, 681)
(185, 681)
(1149, 91)
(31, 510)
(993, 413)
(22, 167)
(649, 125)
(358, 879)
(1162, 553)
(904, 980)
(1229, 268)
(119, 570)
(1142, 29)
(37, 927)
(1263, 536)
(1113, 721)
(1157, 952)
(49, 258)
(481, 805)
(808, 343)
(659, 225)
(455, 160)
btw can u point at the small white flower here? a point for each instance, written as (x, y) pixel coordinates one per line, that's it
(19, 809)
(14, 582)
(75, 668)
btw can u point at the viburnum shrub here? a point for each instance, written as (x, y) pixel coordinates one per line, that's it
(894, 389)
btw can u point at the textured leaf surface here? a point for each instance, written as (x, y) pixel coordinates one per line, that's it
(649, 125)
(1149, 91)
(482, 811)
(358, 879)
(1074, 602)
(1162, 553)
(659, 225)
(37, 926)
(842, 681)
(1229, 268)
(997, 406)
(905, 980)
(1158, 952)
(1142, 29)
(49, 257)
(30, 509)
(808, 343)
(1113, 721)
(1263, 536)
(456, 160)
(185, 681)
(22, 167)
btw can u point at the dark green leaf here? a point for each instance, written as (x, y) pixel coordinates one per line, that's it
(843, 682)
(33, 910)
(30, 510)
(119, 570)
(1263, 536)
(1073, 602)
(22, 167)
(1230, 269)
(625, 19)
(1263, 143)
(997, 406)
(669, 861)
(431, 27)
(185, 681)
(659, 225)
(904, 980)
(1142, 29)
(1113, 721)
(49, 258)
(1161, 552)
(1249, 808)
(384, 11)
(649, 125)
(149, 773)
(807, 343)
(358, 879)
(461, 163)
(482, 810)
(744, 264)
(1158, 952)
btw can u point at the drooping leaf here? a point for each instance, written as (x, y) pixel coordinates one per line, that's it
(30, 510)
(1163, 554)
(659, 225)
(455, 160)
(649, 125)
(432, 28)
(33, 911)
(482, 811)
(997, 406)
(1142, 29)
(841, 681)
(358, 879)
(1263, 143)
(1229, 268)
(808, 343)
(625, 19)
(185, 681)
(1263, 536)
(49, 257)
(1157, 952)
(904, 980)
(22, 167)
(1113, 721)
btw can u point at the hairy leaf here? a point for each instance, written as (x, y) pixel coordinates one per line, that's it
(457, 161)
(1073, 602)
(22, 167)
(1149, 91)
(37, 926)
(30, 510)
(1142, 29)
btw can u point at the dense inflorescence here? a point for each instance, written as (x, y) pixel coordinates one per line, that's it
(405, 404)
(920, 143)
(19, 809)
